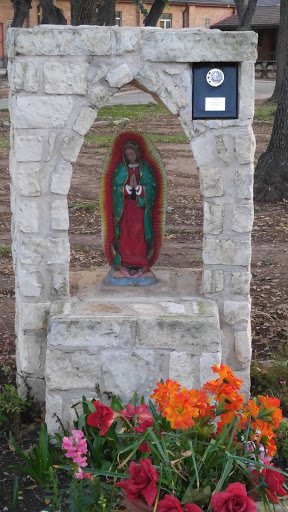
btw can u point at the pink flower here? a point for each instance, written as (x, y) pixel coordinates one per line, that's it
(234, 499)
(76, 447)
(80, 475)
(102, 418)
(138, 416)
(142, 482)
(171, 504)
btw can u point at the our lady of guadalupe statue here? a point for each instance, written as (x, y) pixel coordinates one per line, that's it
(133, 203)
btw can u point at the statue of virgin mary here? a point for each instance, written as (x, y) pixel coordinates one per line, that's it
(133, 208)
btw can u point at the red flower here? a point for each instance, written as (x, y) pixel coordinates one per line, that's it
(273, 480)
(102, 418)
(142, 482)
(138, 416)
(171, 504)
(234, 499)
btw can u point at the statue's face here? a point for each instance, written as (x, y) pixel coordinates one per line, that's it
(131, 155)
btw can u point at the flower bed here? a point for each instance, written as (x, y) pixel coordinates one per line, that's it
(190, 451)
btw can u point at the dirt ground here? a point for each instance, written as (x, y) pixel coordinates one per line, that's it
(183, 240)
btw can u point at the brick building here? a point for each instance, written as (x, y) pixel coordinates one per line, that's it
(178, 14)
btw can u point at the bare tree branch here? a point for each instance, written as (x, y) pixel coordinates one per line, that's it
(245, 13)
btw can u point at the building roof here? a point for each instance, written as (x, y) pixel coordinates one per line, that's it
(264, 17)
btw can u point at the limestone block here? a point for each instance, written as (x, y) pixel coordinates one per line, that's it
(28, 218)
(126, 41)
(245, 148)
(28, 148)
(59, 215)
(240, 283)
(51, 142)
(92, 333)
(246, 89)
(235, 312)
(125, 372)
(85, 120)
(244, 184)
(186, 122)
(70, 148)
(149, 77)
(243, 348)
(182, 369)
(195, 45)
(44, 250)
(30, 283)
(213, 281)
(36, 388)
(119, 76)
(213, 217)
(204, 149)
(29, 352)
(61, 283)
(101, 72)
(62, 40)
(54, 408)
(25, 76)
(244, 375)
(211, 182)
(42, 111)
(187, 333)
(65, 77)
(101, 94)
(27, 179)
(34, 316)
(71, 370)
(60, 181)
(207, 360)
(173, 97)
(225, 148)
(226, 252)
(243, 216)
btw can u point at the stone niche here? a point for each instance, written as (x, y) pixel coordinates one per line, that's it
(124, 340)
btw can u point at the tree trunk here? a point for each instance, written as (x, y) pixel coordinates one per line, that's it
(51, 15)
(245, 13)
(271, 173)
(21, 9)
(154, 13)
(281, 49)
(83, 12)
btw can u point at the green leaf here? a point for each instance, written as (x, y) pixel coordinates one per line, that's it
(201, 497)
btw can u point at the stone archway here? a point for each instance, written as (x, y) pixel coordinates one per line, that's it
(59, 78)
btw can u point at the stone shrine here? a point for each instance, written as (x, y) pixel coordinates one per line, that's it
(125, 341)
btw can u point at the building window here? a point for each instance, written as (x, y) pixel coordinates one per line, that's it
(166, 21)
(118, 17)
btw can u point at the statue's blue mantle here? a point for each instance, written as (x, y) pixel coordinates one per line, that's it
(129, 281)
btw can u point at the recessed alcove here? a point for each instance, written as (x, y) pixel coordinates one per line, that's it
(173, 329)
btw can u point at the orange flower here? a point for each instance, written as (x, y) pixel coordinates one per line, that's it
(201, 401)
(179, 410)
(226, 385)
(264, 435)
(225, 419)
(162, 393)
(233, 401)
(226, 376)
(271, 405)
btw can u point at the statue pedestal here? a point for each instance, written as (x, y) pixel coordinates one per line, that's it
(127, 339)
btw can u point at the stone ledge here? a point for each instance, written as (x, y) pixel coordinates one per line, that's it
(181, 45)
